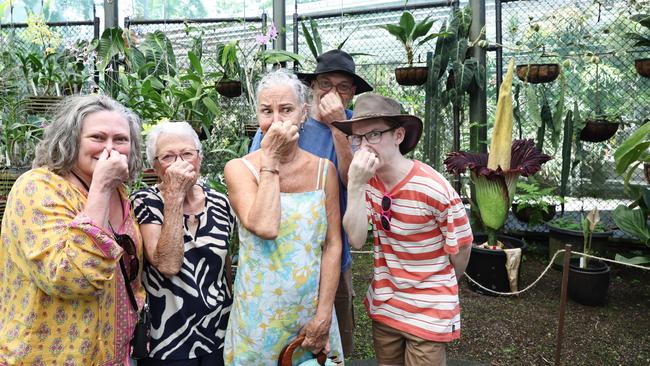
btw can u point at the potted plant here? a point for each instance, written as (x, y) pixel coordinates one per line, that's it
(603, 124)
(538, 73)
(632, 218)
(588, 278)
(642, 38)
(494, 176)
(407, 32)
(535, 204)
(229, 85)
(568, 229)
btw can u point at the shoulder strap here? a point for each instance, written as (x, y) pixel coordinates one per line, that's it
(325, 166)
(250, 167)
(129, 290)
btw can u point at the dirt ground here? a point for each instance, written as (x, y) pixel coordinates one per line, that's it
(523, 330)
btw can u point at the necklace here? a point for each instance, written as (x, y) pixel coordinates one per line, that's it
(83, 183)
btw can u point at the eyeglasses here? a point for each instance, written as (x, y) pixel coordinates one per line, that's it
(125, 241)
(185, 156)
(372, 137)
(326, 85)
(386, 215)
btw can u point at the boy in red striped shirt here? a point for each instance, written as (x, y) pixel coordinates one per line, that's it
(422, 237)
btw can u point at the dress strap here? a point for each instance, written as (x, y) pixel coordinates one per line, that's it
(322, 177)
(318, 177)
(250, 167)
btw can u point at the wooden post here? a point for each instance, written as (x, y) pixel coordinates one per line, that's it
(565, 283)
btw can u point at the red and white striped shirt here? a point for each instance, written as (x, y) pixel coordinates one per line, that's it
(414, 286)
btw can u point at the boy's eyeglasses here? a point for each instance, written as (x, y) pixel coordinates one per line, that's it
(128, 245)
(171, 158)
(386, 215)
(372, 137)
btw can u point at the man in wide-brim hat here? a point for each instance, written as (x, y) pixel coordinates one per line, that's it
(422, 235)
(333, 84)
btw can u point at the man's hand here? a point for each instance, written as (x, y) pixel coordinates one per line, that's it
(331, 108)
(363, 166)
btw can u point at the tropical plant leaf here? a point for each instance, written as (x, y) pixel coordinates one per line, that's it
(639, 260)
(211, 105)
(632, 148)
(422, 28)
(110, 44)
(407, 23)
(309, 40)
(533, 106)
(195, 61)
(396, 31)
(632, 221)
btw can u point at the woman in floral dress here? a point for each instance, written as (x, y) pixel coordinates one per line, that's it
(289, 257)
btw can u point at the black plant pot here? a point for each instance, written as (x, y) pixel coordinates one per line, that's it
(488, 267)
(598, 130)
(411, 75)
(558, 237)
(588, 286)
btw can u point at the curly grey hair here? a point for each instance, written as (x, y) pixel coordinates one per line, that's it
(59, 148)
(282, 77)
(171, 128)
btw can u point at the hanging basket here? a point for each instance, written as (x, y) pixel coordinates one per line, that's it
(538, 73)
(642, 66)
(229, 88)
(598, 130)
(42, 104)
(250, 129)
(411, 75)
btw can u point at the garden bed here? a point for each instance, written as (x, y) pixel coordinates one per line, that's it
(522, 330)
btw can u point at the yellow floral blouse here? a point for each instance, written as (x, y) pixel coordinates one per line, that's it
(63, 299)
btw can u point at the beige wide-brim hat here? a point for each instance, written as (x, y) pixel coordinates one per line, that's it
(372, 106)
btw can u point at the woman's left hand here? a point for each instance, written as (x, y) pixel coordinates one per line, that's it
(317, 332)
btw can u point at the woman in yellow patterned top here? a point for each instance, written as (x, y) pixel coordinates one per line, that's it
(67, 229)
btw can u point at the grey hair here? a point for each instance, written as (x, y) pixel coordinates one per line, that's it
(169, 128)
(59, 148)
(282, 77)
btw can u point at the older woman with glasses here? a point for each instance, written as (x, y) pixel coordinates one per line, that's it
(71, 249)
(290, 255)
(185, 226)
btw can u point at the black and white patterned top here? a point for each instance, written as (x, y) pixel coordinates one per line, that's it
(189, 310)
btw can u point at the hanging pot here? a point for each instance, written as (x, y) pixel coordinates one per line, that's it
(538, 73)
(416, 75)
(588, 286)
(488, 266)
(598, 130)
(642, 66)
(229, 88)
(42, 104)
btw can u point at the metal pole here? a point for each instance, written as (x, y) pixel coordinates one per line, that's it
(295, 33)
(110, 14)
(280, 21)
(565, 283)
(499, 39)
(477, 94)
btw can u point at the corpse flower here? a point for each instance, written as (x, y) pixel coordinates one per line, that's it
(495, 174)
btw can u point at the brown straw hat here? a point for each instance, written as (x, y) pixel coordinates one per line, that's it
(371, 106)
(336, 61)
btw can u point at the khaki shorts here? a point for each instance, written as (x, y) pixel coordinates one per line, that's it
(395, 347)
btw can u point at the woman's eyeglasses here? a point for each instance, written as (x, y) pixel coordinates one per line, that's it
(171, 158)
(128, 245)
(372, 137)
(386, 215)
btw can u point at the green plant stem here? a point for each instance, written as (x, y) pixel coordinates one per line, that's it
(492, 237)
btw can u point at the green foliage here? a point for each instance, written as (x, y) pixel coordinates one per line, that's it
(408, 31)
(633, 152)
(533, 195)
(565, 222)
(641, 36)
(227, 61)
(20, 132)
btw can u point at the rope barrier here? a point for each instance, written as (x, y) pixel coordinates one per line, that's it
(539, 277)
(546, 270)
